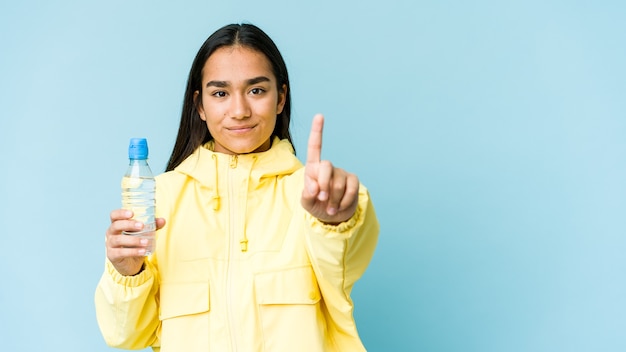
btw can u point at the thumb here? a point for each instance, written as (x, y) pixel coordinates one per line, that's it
(311, 187)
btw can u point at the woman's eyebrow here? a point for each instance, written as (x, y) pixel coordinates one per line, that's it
(256, 80)
(251, 81)
(219, 84)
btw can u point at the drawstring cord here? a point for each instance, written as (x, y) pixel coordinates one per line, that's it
(216, 196)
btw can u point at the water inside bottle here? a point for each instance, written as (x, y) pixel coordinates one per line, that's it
(138, 196)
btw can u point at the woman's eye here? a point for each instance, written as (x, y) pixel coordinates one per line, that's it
(256, 91)
(219, 94)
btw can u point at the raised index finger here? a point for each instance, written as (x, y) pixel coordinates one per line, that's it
(314, 152)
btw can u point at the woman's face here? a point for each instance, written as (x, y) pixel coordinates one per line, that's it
(239, 100)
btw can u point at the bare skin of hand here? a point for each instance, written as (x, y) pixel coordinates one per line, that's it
(126, 253)
(330, 193)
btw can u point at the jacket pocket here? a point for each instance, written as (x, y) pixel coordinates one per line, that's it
(185, 316)
(290, 286)
(184, 298)
(289, 310)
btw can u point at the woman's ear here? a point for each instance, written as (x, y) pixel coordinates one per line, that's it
(282, 99)
(198, 104)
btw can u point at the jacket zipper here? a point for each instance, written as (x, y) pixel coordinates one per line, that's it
(231, 252)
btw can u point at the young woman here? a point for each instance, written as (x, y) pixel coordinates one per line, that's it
(254, 251)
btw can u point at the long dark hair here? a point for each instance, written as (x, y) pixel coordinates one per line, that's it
(193, 131)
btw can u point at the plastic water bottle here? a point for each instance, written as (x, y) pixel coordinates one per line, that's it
(138, 187)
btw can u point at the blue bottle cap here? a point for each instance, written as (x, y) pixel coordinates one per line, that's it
(138, 149)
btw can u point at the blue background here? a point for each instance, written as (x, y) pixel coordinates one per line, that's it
(491, 135)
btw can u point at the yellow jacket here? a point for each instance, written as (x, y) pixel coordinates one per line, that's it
(240, 265)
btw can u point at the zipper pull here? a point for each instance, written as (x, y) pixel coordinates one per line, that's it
(244, 245)
(233, 161)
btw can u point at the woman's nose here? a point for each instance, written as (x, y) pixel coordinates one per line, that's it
(239, 107)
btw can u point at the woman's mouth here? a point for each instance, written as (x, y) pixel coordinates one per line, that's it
(241, 129)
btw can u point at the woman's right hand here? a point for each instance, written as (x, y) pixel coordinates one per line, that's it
(126, 253)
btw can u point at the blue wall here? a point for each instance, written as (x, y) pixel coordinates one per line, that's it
(491, 136)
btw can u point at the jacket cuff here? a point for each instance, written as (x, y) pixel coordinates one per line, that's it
(129, 281)
(344, 226)
(342, 230)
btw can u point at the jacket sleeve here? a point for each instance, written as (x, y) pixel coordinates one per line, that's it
(339, 256)
(127, 308)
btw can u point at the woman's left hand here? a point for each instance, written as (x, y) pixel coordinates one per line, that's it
(330, 194)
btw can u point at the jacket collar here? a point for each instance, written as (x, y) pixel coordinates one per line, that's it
(203, 164)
